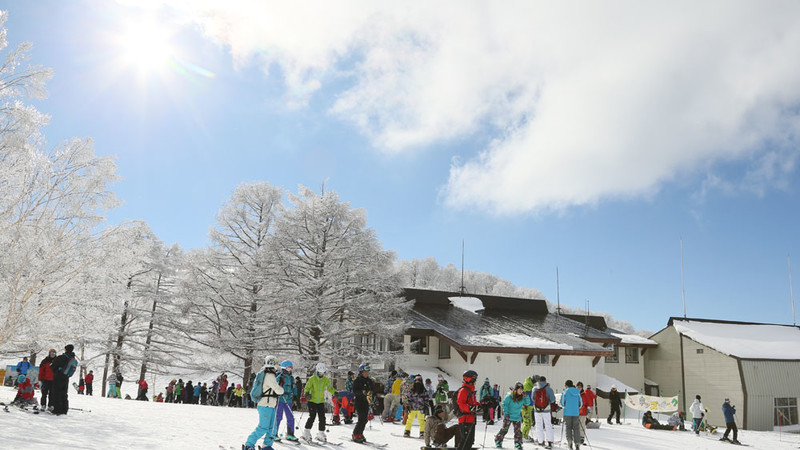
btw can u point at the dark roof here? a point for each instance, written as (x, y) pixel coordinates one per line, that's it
(505, 325)
(733, 322)
(596, 322)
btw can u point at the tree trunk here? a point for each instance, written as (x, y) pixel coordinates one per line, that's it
(105, 374)
(120, 337)
(146, 353)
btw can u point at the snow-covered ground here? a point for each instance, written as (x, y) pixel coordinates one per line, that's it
(129, 424)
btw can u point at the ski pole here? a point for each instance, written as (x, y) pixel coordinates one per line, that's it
(585, 434)
(485, 429)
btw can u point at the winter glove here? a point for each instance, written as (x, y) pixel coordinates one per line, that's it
(370, 416)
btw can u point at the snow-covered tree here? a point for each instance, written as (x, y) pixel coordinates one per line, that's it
(338, 283)
(51, 201)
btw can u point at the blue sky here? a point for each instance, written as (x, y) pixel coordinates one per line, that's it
(572, 135)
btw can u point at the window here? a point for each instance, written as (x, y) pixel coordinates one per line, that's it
(632, 355)
(699, 351)
(785, 411)
(540, 359)
(419, 345)
(444, 349)
(614, 358)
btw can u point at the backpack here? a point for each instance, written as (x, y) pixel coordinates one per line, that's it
(540, 400)
(454, 403)
(70, 366)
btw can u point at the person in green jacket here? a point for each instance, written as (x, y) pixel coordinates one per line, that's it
(315, 393)
(527, 410)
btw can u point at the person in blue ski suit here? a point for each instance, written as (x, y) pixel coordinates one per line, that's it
(265, 394)
(572, 402)
(728, 411)
(286, 380)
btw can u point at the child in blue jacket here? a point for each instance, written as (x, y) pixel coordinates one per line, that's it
(512, 414)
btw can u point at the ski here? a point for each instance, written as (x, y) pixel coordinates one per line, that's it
(372, 444)
(407, 437)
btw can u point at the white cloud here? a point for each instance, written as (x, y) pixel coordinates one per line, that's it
(589, 100)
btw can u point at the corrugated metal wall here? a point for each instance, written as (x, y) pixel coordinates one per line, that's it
(765, 381)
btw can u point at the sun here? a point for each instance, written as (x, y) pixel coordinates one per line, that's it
(145, 47)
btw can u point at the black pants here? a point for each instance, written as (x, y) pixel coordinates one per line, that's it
(362, 409)
(467, 431)
(60, 395)
(88, 388)
(314, 410)
(731, 426)
(614, 411)
(47, 391)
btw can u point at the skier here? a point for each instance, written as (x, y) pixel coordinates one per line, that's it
(589, 397)
(467, 407)
(728, 411)
(25, 392)
(487, 400)
(285, 400)
(416, 400)
(572, 403)
(89, 379)
(512, 410)
(112, 385)
(363, 388)
(698, 411)
(437, 432)
(142, 390)
(498, 413)
(543, 397)
(315, 393)
(46, 378)
(266, 391)
(616, 404)
(63, 367)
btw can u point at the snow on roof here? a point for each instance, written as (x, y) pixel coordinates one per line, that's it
(604, 383)
(633, 339)
(518, 340)
(470, 304)
(650, 382)
(758, 341)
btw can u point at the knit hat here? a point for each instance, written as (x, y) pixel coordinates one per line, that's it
(69, 348)
(697, 396)
(727, 400)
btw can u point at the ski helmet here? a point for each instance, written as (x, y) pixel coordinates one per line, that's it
(286, 365)
(518, 386)
(470, 376)
(271, 362)
(364, 368)
(321, 367)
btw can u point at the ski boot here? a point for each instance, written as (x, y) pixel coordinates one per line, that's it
(498, 444)
(517, 446)
(248, 447)
(359, 438)
(549, 445)
(335, 420)
(736, 441)
(290, 437)
(348, 420)
(724, 438)
(322, 437)
(422, 435)
(491, 422)
(407, 433)
(306, 435)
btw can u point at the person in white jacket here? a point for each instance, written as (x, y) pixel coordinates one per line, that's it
(265, 393)
(698, 411)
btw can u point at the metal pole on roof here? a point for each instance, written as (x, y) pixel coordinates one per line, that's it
(463, 289)
(558, 294)
(791, 291)
(683, 286)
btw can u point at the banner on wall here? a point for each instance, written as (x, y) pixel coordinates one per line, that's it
(652, 403)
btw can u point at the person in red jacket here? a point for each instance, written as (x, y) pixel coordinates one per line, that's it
(467, 409)
(24, 392)
(88, 379)
(588, 397)
(46, 378)
(142, 390)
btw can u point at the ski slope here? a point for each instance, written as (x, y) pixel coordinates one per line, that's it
(129, 424)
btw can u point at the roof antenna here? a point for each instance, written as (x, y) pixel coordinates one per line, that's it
(683, 287)
(586, 321)
(791, 291)
(558, 294)
(463, 289)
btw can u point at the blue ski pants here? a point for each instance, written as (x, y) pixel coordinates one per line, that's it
(266, 427)
(284, 408)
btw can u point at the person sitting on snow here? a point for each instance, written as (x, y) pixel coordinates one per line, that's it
(24, 392)
(438, 433)
(676, 420)
(650, 422)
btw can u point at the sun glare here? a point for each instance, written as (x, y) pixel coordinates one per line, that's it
(145, 47)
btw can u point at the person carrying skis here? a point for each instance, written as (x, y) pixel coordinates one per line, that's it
(46, 378)
(315, 393)
(266, 391)
(286, 380)
(543, 397)
(416, 401)
(512, 415)
(698, 411)
(728, 411)
(363, 389)
(571, 401)
(467, 409)
(487, 400)
(616, 404)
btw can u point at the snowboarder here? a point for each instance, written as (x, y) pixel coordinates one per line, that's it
(728, 411)
(616, 404)
(437, 432)
(543, 397)
(363, 388)
(512, 410)
(572, 403)
(416, 400)
(266, 391)
(63, 367)
(46, 378)
(285, 400)
(698, 411)
(467, 409)
(315, 393)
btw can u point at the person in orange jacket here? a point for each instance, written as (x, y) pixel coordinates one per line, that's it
(467, 409)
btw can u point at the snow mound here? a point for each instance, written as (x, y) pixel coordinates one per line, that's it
(471, 304)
